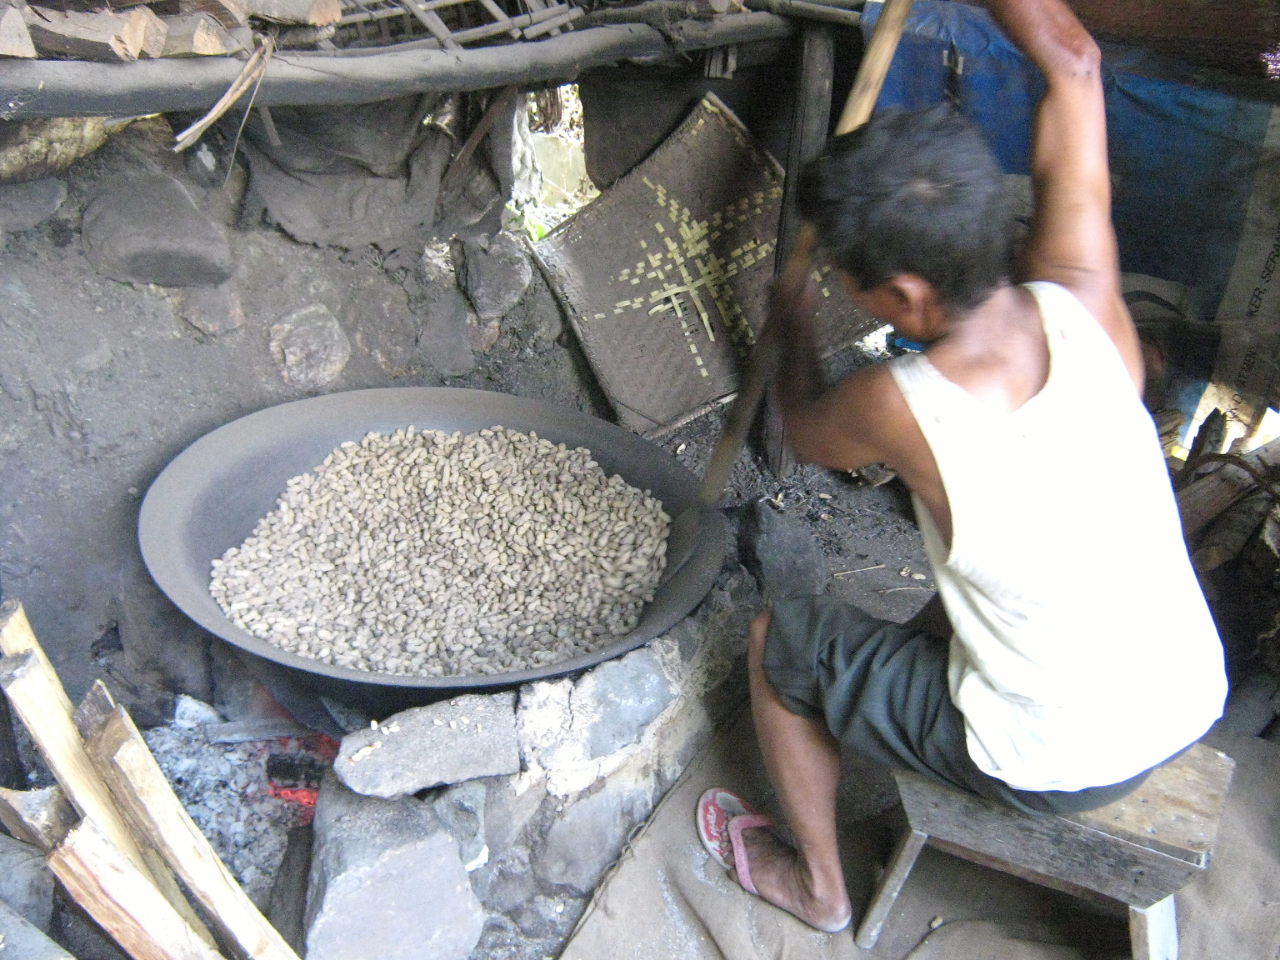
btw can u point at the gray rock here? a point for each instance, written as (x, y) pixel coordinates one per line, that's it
(27, 205)
(447, 742)
(21, 940)
(483, 336)
(541, 917)
(514, 883)
(309, 347)
(507, 812)
(461, 811)
(589, 835)
(625, 695)
(26, 883)
(211, 310)
(383, 872)
(385, 327)
(148, 229)
(782, 554)
(443, 336)
(495, 273)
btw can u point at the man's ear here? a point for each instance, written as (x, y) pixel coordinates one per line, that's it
(916, 306)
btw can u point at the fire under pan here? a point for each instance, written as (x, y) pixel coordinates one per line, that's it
(213, 494)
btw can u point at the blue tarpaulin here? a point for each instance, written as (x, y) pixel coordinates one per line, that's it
(1182, 157)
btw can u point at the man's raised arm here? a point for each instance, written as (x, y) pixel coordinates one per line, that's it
(1072, 241)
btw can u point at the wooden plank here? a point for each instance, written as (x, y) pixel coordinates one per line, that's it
(198, 35)
(899, 866)
(140, 788)
(122, 899)
(103, 36)
(1205, 498)
(15, 38)
(94, 710)
(229, 13)
(1153, 932)
(1039, 878)
(1048, 846)
(16, 636)
(811, 120)
(315, 13)
(1176, 810)
(41, 818)
(36, 695)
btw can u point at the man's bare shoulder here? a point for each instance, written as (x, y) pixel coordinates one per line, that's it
(858, 422)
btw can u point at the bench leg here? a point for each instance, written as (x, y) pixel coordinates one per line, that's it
(1154, 931)
(895, 875)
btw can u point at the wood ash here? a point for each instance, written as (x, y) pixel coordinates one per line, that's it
(225, 789)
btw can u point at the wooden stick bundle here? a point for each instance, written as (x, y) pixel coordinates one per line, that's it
(133, 835)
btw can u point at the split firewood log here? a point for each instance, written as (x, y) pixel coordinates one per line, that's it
(229, 13)
(154, 31)
(101, 35)
(315, 13)
(198, 35)
(15, 38)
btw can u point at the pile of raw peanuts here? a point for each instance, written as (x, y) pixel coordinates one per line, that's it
(427, 554)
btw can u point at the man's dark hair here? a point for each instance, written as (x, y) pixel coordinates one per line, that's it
(913, 192)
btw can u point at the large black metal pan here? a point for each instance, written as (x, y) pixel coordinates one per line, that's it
(211, 496)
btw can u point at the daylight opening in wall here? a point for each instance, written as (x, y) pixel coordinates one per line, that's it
(551, 171)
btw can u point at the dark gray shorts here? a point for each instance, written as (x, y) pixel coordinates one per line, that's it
(882, 690)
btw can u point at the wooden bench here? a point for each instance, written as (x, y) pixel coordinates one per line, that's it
(1138, 851)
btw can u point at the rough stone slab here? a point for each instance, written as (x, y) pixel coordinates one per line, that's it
(384, 874)
(461, 809)
(27, 205)
(782, 554)
(447, 742)
(589, 835)
(564, 724)
(444, 336)
(26, 883)
(23, 941)
(212, 310)
(495, 272)
(310, 347)
(510, 804)
(148, 229)
(625, 696)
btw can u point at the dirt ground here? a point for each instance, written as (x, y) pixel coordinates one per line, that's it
(102, 383)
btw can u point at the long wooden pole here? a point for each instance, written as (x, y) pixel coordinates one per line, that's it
(767, 355)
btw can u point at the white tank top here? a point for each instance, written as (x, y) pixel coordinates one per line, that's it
(1083, 650)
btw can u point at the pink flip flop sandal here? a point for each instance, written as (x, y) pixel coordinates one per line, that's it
(722, 816)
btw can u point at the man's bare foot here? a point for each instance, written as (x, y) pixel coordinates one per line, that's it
(781, 877)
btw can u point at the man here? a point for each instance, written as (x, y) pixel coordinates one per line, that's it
(1071, 650)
